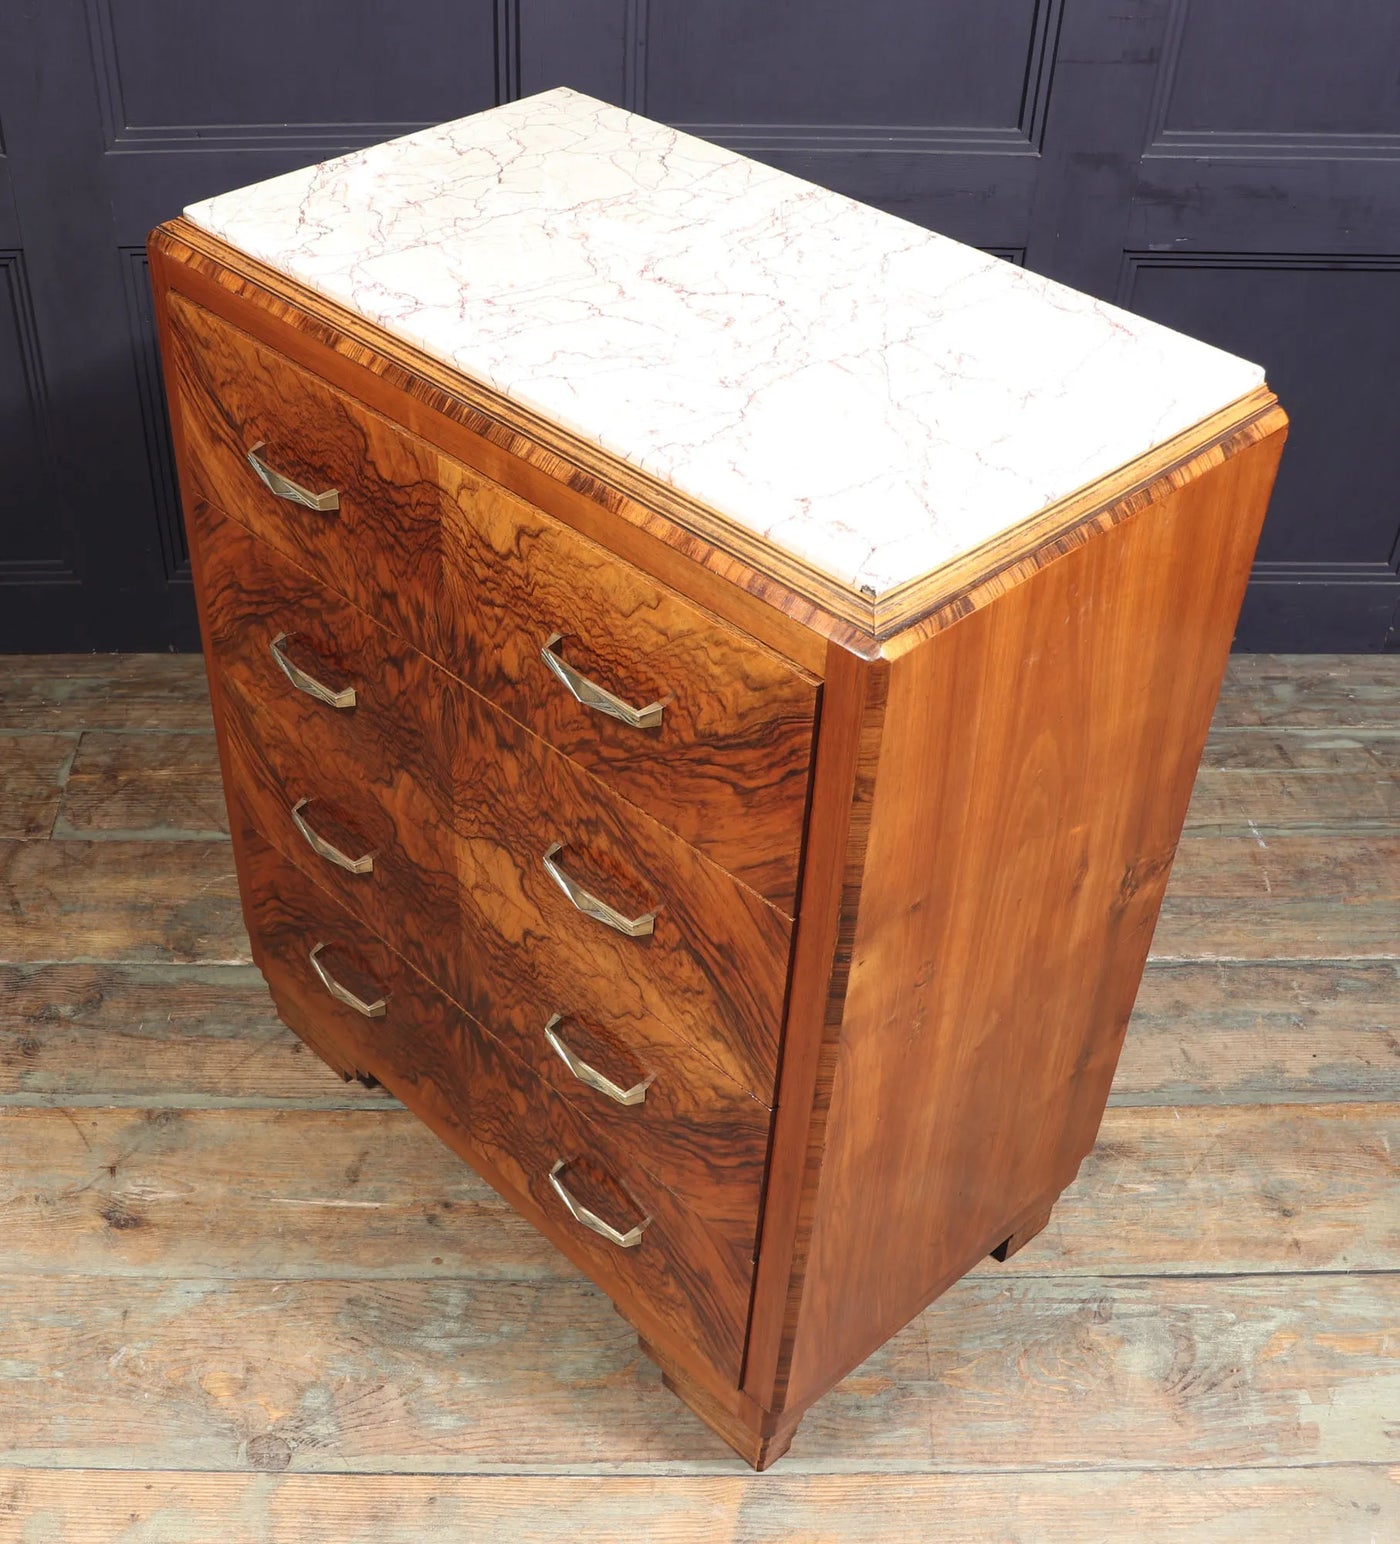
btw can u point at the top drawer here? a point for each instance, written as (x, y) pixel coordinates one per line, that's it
(488, 585)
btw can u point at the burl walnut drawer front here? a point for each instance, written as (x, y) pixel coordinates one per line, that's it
(610, 916)
(704, 728)
(323, 704)
(458, 826)
(340, 986)
(354, 788)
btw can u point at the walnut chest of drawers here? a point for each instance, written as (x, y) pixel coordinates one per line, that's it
(708, 681)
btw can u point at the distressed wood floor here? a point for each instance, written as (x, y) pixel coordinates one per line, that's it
(243, 1301)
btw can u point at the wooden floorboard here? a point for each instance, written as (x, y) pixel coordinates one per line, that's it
(1232, 802)
(33, 769)
(103, 691)
(1288, 897)
(1330, 1504)
(146, 902)
(242, 1300)
(1207, 1032)
(157, 1036)
(151, 786)
(1283, 898)
(1310, 691)
(169, 1035)
(371, 1193)
(458, 1376)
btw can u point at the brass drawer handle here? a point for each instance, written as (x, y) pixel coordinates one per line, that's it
(308, 683)
(591, 695)
(590, 1075)
(285, 488)
(591, 906)
(318, 844)
(580, 1213)
(374, 1010)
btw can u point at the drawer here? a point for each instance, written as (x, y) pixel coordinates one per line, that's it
(359, 795)
(726, 763)
(697, 1128)
(681, 1282)
(341, 684)
(687, 1122)
(483, 581)
(713, 965)
(381, 544)
(457, 806)
(402, 886)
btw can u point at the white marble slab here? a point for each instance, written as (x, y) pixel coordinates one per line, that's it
(874, 398)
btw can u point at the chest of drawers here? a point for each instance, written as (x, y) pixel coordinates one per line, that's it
(708, 682)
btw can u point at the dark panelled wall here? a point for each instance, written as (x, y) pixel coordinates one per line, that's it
(1232, 169)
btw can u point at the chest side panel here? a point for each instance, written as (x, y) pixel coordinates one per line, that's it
(1034, 772)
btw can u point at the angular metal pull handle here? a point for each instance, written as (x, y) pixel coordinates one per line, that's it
(308, 683)
(590, 1075)
(580, 1213)
(318, 844)
(285, 488)
(591, 695)
(591, 906)
(374, 1010)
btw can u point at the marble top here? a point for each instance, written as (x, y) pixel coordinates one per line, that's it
(871, 397)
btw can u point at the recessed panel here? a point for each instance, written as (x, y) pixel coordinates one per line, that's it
(1287, 67)
(155, 418)
(33, 536)
(1329, 339)
(265, 63)
(584, 51)
(956, 64)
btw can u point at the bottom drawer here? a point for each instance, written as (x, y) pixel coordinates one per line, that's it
(682, 1285)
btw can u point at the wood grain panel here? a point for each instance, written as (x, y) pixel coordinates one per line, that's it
(480, 580)
(495, 947)
(376, 775)
(682, 1284)
(254, 596)
(702, 1135)
(459, 803)
(715, 967)
(382, 546)
(1034, 772)
(727, 768)
(367, 807)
